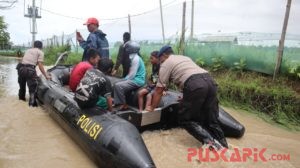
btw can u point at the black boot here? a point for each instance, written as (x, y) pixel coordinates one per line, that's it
(32, 100)
(22, 98)
(22, 95)
(223, 142)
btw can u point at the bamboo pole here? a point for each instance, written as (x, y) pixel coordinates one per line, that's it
(192, 21)
(281, 41)
(162, 21)
(182, 38)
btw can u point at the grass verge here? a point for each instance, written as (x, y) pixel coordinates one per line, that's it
(277, 101)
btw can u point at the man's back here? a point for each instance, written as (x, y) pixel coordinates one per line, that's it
(137, 70)
(123, 58)
(32, 56)
(177, 68)
(77, 74)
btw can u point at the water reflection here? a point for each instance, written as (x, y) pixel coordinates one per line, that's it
(8, 76)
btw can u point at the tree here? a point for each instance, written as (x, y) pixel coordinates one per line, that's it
(6, 4)
(4, 35)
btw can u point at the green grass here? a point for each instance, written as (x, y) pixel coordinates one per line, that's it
(243, 108)
(52, 53)
(11, 53)
(73, 58)
(278, 99)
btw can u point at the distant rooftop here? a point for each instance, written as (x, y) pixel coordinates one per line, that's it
(210, 39)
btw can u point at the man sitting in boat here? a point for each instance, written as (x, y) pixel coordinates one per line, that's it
(106, 65)
(134, 79)
(80, 69)
(91, 85)
(199, 103)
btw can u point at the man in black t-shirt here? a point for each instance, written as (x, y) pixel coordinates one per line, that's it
(94, 89)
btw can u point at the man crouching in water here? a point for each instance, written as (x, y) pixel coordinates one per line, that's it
(199, 103)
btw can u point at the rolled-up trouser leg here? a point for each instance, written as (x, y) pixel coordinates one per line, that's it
(121, 88)
(196, 130)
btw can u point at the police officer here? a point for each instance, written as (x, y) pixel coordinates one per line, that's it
(27, 73)
(199, 103)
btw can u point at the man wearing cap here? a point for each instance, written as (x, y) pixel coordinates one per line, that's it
(96, 39)
(199, 104)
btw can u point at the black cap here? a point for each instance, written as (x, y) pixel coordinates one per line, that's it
(164, 49)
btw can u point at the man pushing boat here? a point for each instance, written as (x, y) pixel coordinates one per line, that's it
(199, 106)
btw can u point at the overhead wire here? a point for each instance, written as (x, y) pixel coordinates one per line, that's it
(108, 19)
(8, 4)
(115, 20)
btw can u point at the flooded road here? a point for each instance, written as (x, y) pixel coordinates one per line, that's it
(29, 138)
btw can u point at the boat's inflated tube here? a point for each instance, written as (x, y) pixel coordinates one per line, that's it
(230, 126)
(108, 139)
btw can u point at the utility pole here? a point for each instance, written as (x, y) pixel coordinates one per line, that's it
(33, 14)
(162, 21)
(192, 21)
(281, 41)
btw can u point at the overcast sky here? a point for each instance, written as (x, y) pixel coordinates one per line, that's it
(211, 16)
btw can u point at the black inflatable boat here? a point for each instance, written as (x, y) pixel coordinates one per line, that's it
(112, 139)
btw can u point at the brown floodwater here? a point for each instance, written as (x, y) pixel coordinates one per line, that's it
(29, 138)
